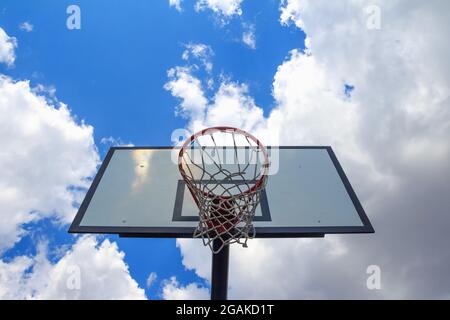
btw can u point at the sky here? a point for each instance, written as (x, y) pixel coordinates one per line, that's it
(369, 78)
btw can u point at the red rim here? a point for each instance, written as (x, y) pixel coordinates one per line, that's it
(224, 129)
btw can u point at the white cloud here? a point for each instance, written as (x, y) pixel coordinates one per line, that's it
(189, 89)
(47, 156)
(7, 46)
(274, 268)
(172, 290)
(200, 52)
(48, 92)
(230, 105)
(224, 9)
(176, 4)
(111, 141)
(290, 12)
(391, 137)
(248, 36)
(26, 26)
(196, 257)
(151, 279)
(89, 270)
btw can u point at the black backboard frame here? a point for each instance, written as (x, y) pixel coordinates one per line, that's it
(187, 232)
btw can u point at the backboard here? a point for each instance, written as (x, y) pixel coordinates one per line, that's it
(138, 192)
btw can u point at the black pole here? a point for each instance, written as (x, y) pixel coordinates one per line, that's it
(219, 272)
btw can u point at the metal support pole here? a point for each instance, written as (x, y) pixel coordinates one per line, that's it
(219, 272)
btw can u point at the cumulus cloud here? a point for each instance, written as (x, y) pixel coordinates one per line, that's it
(176, 4)
(189, 90)
(224, 9)
(391, 136)
(7, 46)
(266, 277)
(89, 270)
(172, 290)
(231, 104)
(290, 12)
(26, 26)
(48, 157)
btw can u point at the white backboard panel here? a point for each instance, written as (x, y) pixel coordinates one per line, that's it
(139, 191)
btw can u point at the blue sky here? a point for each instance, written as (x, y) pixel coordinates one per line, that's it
(365, 78)
(111, 74)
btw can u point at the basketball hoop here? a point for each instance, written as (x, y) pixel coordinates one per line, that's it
(225, 169)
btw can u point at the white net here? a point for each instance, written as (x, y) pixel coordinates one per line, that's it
(225, 181)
